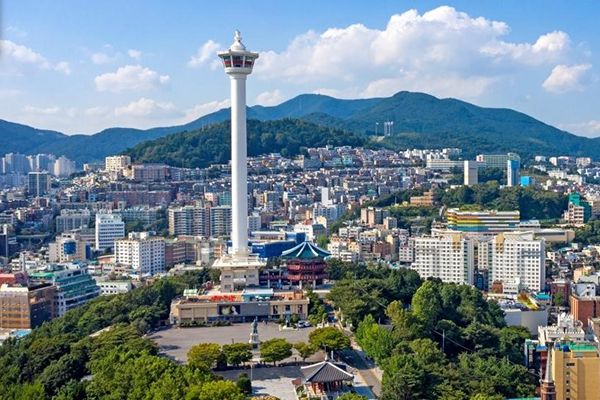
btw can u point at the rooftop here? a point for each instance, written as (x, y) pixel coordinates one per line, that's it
(305, 250)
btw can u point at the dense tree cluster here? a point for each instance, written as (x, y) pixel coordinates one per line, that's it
(97, 352)
(204, 147)
(589, 233)
(531, 202)
(446, 342)
(363, 290)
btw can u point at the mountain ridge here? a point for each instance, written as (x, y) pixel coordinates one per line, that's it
(420, 120)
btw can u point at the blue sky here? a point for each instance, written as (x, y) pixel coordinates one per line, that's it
(79, 67)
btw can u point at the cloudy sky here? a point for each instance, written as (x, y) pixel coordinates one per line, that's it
(79, 67)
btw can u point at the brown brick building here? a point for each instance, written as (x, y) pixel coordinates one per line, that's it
(584, 308)
(23, 307)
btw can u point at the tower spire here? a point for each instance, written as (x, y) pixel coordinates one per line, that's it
(547, 388)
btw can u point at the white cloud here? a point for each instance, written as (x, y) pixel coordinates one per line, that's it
(130, 77)
(101, 58)
(63, 67)
(443, 51)
(200, 110)
(135, 54)
(441, 86)
(14, 52)
(96, 112)
(207, 52)
(145, 107)
(565, 78)
(42, 110)
(547, 48)
(271, 98)
(586, 128)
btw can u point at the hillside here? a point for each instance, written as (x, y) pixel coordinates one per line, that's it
(420, 120)
(212, 145)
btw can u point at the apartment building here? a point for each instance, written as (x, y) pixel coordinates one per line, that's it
(141, 252)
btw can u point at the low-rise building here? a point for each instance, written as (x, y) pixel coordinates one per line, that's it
(264, 304)
(74, 286)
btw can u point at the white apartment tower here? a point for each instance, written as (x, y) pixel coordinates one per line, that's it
(238, 269)
(116, 163)
(109, 227)
(471, 170)
(141, 252)
(448, 257)
(517, 257)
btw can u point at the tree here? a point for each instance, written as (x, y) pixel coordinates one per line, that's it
(205, 356)
(559, 299)
(405, 379)
(275, 350)
(357, 298)
(329, 338)
(305, 349)
(244, 384)
(375, 340)
(237, 353)
(427, 304)
(216, 390)
(322, 241)
(512, 340)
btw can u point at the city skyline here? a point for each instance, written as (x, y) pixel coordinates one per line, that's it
(80, 69)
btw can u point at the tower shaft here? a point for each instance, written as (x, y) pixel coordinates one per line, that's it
(239, 168)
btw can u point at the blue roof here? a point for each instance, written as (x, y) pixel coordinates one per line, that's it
(305, 250)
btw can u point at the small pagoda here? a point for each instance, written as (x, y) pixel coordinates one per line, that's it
(305, 264)
(325, 378)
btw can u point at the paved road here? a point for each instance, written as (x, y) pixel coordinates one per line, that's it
(368, 373)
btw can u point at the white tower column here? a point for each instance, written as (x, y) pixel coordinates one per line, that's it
(239, 167)
(238, 268)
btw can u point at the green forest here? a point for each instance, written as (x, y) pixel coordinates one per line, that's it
(440, 340)
(65, 360)
(212, 145)
(531, 202)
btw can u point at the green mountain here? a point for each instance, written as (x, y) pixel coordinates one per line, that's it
(420, 121)
(211, 145)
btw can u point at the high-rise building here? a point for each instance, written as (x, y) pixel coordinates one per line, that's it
(38, 184)
(220, 221)
(109, 227)
(64, 167)
(520, 259)
(448, 256)
(72, 219)
(470, 172)
(190, 220)
(16, 163)
(238, 269)
(8, 242)
(482, 222)
(573, 372)
(116, 163)
(141, 252)
(373, 215)
(69, 247)
(512, 172)
(496, 160)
